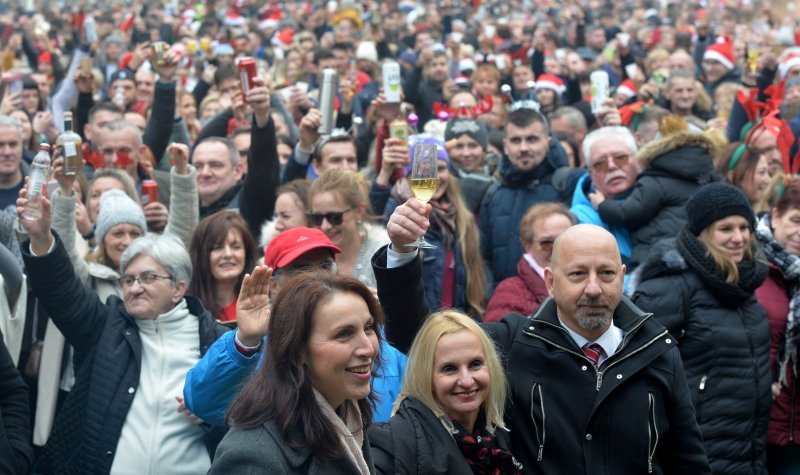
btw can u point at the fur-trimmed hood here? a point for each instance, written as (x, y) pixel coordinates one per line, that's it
(711, 140)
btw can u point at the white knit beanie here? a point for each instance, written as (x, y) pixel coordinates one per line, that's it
(117, 208)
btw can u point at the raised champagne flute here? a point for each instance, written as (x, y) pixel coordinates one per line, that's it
(423, 180)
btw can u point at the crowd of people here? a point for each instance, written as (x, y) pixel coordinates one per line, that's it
(230, 281)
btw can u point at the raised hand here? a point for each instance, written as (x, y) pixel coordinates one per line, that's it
(259, 100)
(179, 157)
(407, 223)
(38, 230)
(252, 307)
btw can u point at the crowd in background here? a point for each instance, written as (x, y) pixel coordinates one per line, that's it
(233, 261)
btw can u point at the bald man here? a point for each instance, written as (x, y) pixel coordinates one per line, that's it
(596, 385)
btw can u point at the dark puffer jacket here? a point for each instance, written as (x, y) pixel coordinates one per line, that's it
(506, 202)
(415, 441)
(672, 169)
(725, 353)
(108, 355)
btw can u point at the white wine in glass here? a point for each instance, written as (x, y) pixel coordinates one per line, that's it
(424, 180)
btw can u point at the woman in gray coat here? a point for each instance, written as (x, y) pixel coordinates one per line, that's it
(307, 408)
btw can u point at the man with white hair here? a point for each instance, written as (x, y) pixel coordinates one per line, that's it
(610, 157)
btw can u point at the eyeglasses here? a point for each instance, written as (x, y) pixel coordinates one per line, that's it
(601, 166)
(334, 218)
(145, 278)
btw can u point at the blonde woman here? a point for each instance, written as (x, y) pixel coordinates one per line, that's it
(340, 209)
(701, 287)
(449, 415)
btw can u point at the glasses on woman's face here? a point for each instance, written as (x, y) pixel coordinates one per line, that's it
(334, 218)
(145, 278)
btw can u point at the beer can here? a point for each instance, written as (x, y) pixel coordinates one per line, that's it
(159, 49)
(391, 82)
(398, 129)
(327, 94)
(247, 71)
(149, 191)
(599, 88)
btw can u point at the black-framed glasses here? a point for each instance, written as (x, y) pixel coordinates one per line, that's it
(335, 218)
(145, 278)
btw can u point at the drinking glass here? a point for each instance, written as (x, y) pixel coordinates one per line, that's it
(423, 180)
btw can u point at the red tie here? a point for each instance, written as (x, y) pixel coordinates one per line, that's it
(594, 352)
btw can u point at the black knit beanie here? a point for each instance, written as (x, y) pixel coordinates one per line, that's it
(717, 201)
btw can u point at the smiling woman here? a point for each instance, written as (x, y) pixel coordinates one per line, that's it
(222, 251)
(449, 416)
(701, 286)
(310, 402)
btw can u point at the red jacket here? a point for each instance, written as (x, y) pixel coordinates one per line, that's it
(784, 426)
(522, 293)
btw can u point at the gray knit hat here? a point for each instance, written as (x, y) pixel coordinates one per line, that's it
(117, 208)
(476, 130)
(717, 201)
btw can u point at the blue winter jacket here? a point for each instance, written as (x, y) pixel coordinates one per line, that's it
(506, 202)
(583, 210)
(212, 384)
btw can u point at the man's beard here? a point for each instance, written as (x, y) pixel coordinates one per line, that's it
(593, 318)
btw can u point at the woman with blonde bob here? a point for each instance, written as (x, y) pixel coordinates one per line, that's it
(449, 416)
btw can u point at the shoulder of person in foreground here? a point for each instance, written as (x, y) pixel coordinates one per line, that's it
(251, 451)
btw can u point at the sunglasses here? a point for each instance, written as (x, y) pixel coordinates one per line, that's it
(334, 219)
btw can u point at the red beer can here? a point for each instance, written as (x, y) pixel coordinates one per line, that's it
(149, 191)
(247, 71)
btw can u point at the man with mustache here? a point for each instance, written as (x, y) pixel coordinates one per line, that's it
(596, 384)
(610, 157)
(525, 177)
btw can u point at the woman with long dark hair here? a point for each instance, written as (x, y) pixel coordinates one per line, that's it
(307, 408)
(222, 251)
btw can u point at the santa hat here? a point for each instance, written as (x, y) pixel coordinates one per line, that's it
(552, 82)
(721, 51)
(788, 63)
(626, 88)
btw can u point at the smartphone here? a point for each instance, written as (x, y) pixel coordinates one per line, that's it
(15, 86)
(489, 31)
(86, 65)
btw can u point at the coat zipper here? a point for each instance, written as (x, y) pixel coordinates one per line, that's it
(541, 440)
(753, 456)
(651, 432)
(792, 412)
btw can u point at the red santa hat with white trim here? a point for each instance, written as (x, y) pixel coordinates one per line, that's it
(626, 88)
(788, 63)
(721, 51)
(552, 82)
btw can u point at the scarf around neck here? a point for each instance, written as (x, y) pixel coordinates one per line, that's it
(751, 275)
(481, 450)
(789, 265)
(350, 429)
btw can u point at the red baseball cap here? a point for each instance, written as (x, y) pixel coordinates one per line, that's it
(289, 245)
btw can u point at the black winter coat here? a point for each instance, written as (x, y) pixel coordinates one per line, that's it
(726, 355)
(414, 441)
(107, 362)
(633, 414)
(673, 168)
(16, 453)
(506, 202)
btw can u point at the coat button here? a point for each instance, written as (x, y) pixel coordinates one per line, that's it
(127, 332)
(589, 437)
(619, 376)
(669, 340)
(584, 367)
(109, 453)
(131, 390)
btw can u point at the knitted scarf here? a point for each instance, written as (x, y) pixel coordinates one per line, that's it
(751, 275)
(482, 452)
(789, 265)
(445, 220)
(349, 429)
